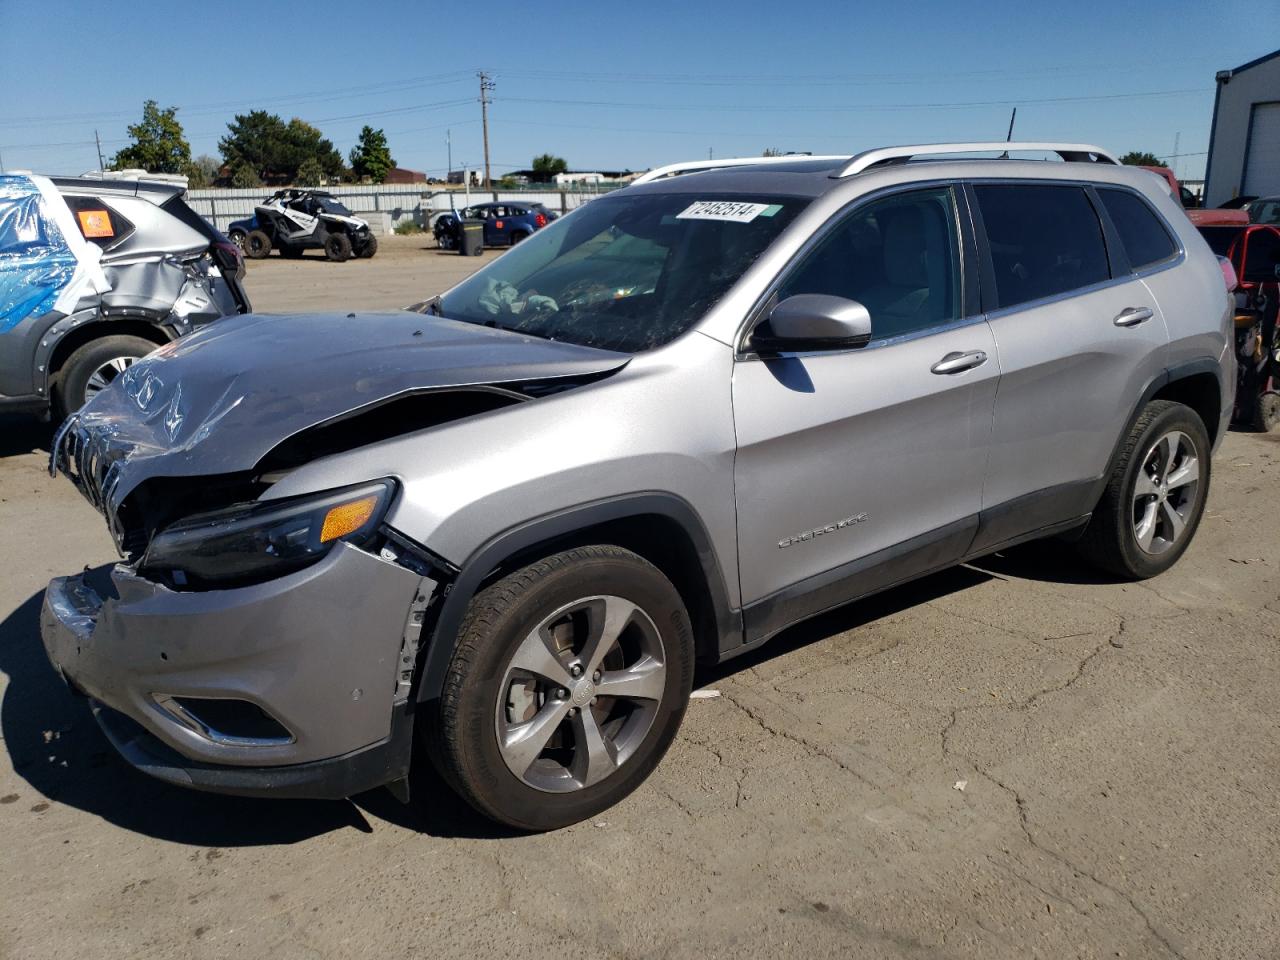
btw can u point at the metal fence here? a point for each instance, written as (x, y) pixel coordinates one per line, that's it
(386, 206)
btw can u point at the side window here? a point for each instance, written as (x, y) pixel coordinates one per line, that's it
(1144, 237)
(1043, 240)
(899, 257)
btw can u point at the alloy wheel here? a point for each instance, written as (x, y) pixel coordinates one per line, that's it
(105, 374)
(1164, 493)
(580, 694)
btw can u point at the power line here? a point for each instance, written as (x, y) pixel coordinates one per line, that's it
(836, 108)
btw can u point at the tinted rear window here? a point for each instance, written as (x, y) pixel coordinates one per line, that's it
(1143, 235)
(1043, 240)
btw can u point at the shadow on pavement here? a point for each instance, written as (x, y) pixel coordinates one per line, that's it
(55, 745)
(849, 617)
(24, 433)
(1049, 561)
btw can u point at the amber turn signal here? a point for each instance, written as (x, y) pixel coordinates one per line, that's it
(347, 518)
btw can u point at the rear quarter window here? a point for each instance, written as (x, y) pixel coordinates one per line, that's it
(1042, 239)
(1145, 238)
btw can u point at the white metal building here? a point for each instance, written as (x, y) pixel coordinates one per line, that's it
(1244, 144)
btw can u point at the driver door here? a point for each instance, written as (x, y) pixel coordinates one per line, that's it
(857, 468)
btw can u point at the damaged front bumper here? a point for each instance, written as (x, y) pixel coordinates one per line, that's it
(294, 687)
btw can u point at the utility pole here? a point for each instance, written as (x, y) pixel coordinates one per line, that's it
(448, 143)
(485, 86)
(99, 143)
(1177, 137)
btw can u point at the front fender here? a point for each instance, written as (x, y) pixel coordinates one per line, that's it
(556, 526)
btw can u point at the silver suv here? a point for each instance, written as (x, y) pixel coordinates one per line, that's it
(501, 531)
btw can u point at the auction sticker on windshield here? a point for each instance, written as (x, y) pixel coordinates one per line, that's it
(734, 211)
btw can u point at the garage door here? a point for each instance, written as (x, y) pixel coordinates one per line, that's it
(1262, 169)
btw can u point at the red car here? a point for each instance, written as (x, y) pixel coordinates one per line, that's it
(1198, 215)
(1254, 252)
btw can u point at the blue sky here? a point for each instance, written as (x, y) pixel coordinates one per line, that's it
(625, 85)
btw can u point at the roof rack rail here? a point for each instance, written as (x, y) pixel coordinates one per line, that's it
(697, 166)
(885, 156)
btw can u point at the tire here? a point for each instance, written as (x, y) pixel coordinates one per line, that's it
(1266, 412)
(237, 237)
(517, 237)
(487, 699)
(92, 367)
(1134, 509)
(257, 244)
(337, 247)
(369, 249)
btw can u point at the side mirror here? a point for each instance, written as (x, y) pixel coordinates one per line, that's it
(814, 321)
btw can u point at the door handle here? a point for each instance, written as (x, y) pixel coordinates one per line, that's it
(1132, 316)
(958, 362)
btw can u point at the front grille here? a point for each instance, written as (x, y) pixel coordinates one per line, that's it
(82, 456)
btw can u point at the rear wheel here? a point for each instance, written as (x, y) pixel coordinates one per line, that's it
(337, 247)
(568, 683)
(93, 367)
(257, 245)
(237, 237)
(1154, 500)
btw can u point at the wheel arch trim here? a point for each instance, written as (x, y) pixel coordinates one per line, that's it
(557, 526)
(1171, 375)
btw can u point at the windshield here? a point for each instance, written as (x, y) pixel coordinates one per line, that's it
(626, 273)
(330, 205)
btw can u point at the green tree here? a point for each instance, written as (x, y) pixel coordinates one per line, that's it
(244, 176)
(310, 174)
(1140, 158)
(158, 143)
(304, 142)
(371, 157)
(275, 150)
(546, 166)
(204, 170)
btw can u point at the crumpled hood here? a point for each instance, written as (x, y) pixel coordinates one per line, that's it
(219, 400)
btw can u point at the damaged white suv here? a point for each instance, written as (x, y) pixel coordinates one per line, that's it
(499, 533)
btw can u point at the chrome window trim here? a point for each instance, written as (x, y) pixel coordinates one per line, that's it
(1059, 297)
(742, 348)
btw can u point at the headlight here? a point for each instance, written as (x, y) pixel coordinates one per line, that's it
(257, 541)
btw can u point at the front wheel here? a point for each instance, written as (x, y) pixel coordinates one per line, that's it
(1154, 500)
(337, 247)
(369, 249)
(568, 682)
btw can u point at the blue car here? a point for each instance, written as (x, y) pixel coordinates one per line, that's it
(237, 230)
(506, 223)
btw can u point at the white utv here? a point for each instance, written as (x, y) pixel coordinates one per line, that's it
(295, 220)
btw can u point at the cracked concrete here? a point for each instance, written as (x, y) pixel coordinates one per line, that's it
(1118, 743)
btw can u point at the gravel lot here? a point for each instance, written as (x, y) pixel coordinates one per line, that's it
(1013, 759)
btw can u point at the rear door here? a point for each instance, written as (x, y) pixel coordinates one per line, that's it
(1080, 337)
(860, 467)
